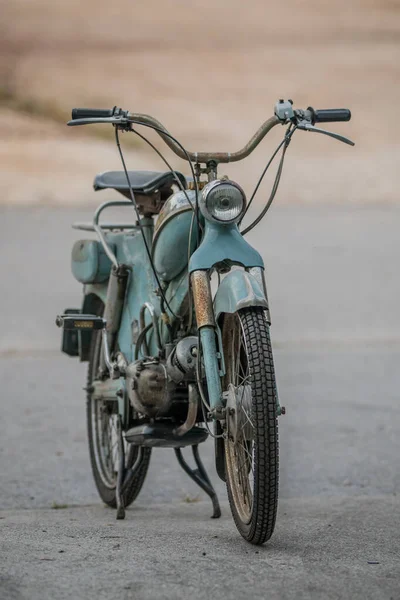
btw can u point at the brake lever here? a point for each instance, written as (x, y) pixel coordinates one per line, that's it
(306, 126)
(121, 121)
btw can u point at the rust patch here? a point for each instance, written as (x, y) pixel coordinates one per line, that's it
(202, 299)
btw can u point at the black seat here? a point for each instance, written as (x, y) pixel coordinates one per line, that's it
(144, 183)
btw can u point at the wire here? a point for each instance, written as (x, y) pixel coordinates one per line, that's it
(204, 403)
(178, 181)
(285, 143)
(190, 320)
(132, 195)
(196, 187)
(194, 209)
(261, 178)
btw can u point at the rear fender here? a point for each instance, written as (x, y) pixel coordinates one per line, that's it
(94, 294)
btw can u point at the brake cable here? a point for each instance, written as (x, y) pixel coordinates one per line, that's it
(204, 403)
(177, 180)
(195, 211)
(133, 200)
(285, 143)
(196, 187)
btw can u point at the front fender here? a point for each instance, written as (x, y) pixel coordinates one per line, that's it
(239, 289)
(223, 243)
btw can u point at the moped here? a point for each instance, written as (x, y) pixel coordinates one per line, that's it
(172, 358)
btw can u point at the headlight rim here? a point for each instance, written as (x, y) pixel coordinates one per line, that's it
(205, 192)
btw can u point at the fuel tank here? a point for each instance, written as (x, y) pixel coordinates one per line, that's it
(171, 235)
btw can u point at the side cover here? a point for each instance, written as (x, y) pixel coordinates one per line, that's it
(89, 262)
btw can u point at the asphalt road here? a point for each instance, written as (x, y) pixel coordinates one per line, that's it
(334, 288)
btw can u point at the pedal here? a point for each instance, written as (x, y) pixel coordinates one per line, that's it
(80, 322)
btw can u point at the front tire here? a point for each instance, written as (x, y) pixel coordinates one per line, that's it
(251, 445)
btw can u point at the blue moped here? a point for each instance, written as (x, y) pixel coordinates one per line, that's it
(172, 358)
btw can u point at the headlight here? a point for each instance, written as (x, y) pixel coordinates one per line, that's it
(222, 201)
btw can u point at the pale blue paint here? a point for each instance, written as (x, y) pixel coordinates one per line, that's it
(170, 252)
(89, 262)
(238, 290)
(224, 243)
(221, 243)
(211, 367)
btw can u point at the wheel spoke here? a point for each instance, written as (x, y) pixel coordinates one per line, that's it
(238, 377)
(251, 447)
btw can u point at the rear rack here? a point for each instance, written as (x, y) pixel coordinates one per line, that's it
(108, 226)
(100, 229)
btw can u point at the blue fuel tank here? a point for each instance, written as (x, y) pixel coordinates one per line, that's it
(171, 235)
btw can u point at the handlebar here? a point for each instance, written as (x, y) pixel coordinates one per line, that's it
(84, 113)
(284, 114)
(85, 116)
(330, 115)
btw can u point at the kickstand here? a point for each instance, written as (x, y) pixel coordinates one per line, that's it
(125, 476)
(121, 472)
(200, 476)
(131, 472)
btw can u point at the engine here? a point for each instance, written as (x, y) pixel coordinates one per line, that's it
(151, 382)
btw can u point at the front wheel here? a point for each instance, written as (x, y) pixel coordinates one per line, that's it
(251, 443)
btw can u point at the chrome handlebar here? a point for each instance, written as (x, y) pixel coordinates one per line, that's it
(125, 120)
(204, 157)
(284, 113)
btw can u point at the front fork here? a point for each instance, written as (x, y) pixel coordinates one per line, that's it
(207, 331)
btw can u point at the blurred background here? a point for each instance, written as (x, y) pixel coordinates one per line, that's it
(211, 73)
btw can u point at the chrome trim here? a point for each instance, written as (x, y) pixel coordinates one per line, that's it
(176, 204)
(110, 226)
(206, 192)
(106, 247)
(100, 233)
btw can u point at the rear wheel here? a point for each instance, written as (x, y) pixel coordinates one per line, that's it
(251, 447)
(102, 419)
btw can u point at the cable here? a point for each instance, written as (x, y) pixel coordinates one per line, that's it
(261, 178)
(196, 187)
(178, 181)
(195, 213)
(204, 403)
(132, 195)
(285, 142)
(190, 320)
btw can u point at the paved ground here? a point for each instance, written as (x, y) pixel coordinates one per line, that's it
(333, 283)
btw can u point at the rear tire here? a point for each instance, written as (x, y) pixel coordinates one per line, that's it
(251, 450)
(101, 426)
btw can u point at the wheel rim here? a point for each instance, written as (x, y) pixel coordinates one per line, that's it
(239, 445)
(104, 422)
(104, 426)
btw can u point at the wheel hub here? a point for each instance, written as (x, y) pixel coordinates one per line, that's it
(238, 410)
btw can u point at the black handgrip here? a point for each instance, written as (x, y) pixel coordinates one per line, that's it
(89, 113)
(331, 115)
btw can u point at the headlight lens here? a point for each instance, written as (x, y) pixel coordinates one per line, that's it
(222, 201)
